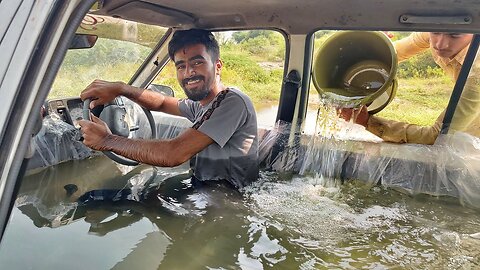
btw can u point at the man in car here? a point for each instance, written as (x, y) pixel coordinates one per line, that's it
(223, 137)
(448, 51)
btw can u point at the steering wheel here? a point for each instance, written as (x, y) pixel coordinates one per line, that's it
(113, 115)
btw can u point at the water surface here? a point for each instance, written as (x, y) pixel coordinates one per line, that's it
(280, 222)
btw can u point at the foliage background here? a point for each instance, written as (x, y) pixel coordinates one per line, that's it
(254, 62)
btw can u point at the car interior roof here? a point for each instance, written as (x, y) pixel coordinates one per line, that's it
(302, 17)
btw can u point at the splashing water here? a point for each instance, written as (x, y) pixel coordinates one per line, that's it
(327, 149)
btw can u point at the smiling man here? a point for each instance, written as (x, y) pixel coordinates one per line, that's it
(223, 137)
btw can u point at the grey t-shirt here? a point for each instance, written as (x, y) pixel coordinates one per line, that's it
(230, 121)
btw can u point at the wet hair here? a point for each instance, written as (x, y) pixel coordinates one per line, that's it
(183, 38)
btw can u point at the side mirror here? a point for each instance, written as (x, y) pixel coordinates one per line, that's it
(83, 41)
(162, 89)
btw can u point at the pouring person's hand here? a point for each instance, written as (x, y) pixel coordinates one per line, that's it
(95, 133)
(359, 115)
(102, 92)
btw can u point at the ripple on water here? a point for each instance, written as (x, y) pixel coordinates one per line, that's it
(355, 227)
(317, 211)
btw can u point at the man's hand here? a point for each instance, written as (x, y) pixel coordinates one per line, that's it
(95, 133)
(360, 115)
(102, 92)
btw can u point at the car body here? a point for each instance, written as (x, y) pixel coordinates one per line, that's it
(37, 34)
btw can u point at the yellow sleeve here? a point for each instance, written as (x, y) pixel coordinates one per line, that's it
(467, 113)
(401, 132)
(413, 44)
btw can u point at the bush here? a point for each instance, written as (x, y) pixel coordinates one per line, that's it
(244, 65)
(419, 66)
(266, 45)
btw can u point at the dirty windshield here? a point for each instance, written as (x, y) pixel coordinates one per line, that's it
(318, 203)
(120, 49)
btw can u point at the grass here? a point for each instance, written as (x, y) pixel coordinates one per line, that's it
(419, 101)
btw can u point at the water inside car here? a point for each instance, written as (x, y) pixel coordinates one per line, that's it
(330, 194)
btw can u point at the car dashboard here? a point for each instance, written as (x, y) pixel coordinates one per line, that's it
(69, 110)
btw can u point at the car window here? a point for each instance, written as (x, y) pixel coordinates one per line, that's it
(422, 82)
(120, 49)
(253, 61)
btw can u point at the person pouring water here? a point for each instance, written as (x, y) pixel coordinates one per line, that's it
(448, 51)
(223, 137)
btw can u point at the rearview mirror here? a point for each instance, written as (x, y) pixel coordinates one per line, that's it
(83, 41)
(162, 89)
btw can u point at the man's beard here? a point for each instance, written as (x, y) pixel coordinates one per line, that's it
(196, 94)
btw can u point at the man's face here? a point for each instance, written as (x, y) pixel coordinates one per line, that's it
(195, 71)
(449, 44)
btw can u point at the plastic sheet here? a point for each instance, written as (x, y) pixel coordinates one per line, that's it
(56, 142)
(60, 195)
(59, 141)
(450, 167)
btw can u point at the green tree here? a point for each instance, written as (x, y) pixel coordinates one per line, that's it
(241, 36)
(221, 38)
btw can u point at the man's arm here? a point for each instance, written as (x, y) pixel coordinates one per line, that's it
(394, 131)
(401, 132)
(102, 92)
(414, 44)
(164, 153)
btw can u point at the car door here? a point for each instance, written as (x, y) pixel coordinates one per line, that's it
(34, 36)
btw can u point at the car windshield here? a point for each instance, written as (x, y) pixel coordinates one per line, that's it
(121, 47)
(327, 194)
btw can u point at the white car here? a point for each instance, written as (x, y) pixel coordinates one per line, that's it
(51, 50)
